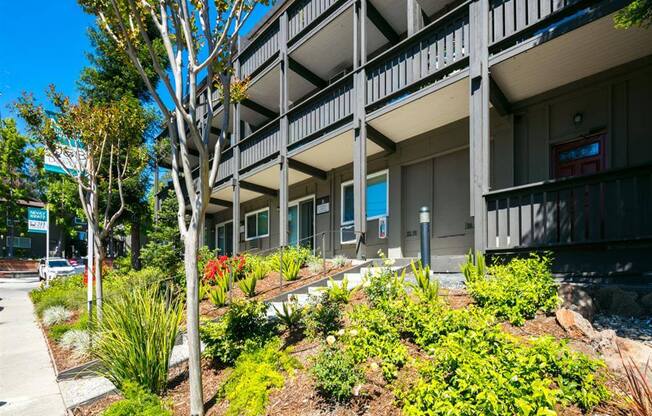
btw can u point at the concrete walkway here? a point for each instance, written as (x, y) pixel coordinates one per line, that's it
(28, 384)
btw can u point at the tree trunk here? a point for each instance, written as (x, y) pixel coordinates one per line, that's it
(135, 244)
(191, 246)
(99, 257)
(59, 249)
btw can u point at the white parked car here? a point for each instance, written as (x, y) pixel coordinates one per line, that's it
(55, 267)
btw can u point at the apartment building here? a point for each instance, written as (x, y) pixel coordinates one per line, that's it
(521, 124)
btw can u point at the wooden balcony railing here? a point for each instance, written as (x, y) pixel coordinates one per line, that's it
(260, 145)
(263, 49)
(225, 169)
(321, 111)
(509, 17)
(304, 12)
(606, 207)
(432, 51)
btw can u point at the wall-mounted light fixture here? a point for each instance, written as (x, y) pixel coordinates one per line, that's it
(578, 118)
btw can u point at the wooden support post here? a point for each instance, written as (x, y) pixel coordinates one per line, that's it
(236, 169)
(360, 129)
(414, 17)
(479, 118)
(283, 106)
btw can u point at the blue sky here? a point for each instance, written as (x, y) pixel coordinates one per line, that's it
(44, 42)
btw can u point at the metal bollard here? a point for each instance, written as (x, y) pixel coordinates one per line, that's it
(424, 219)
(323, 251)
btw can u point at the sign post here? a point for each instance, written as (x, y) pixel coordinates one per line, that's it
(38, 221)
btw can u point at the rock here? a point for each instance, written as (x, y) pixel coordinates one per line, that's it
(578, 299)
(646, 302)
(617, 301)
(632, 352)
(574, 323)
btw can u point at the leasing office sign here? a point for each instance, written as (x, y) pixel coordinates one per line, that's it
(37, 220)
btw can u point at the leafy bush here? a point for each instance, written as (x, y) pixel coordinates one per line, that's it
(516, 290)
(374, 336)
(217, 294)
(323, 317)
(383, 286)
(255, 374)
(340, 292)
(248, 285)
(293, 254)
(488, 372)
(69, 292)
(77, 340)
(139, 402)
(291, 269)
(136, 336)
(290, 315)
(243, 326)
(426, 289)
(55, 315)
(336, 374)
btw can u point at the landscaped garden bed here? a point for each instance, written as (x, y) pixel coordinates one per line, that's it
(390, 347)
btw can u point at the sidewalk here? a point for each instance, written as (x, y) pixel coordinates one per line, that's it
(27, 381)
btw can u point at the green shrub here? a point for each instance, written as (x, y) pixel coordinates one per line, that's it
(136, 336)
(255, 374)
(340, 293)
(138, 402)
(384, 286)
(488, 372)
(290, 315)
(475, 267)
(248, 285)
(336, 374)
(244, 326)
(69, 292)
(204, 289)
(516, 290)
(292, 254)
(291, 269)
(374, 336)
(324, 317)
(217, 294)
(426, 289)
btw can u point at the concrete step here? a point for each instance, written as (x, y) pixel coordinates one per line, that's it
(301, 299)
(316, 290)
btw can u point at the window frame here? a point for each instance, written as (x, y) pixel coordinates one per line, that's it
(255, 214)
(347, 224)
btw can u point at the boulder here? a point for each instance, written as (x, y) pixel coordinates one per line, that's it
(615, 300)
(646, 302)
(578, 299)
(575, 324)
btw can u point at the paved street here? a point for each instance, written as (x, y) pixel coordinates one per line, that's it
(27, 381)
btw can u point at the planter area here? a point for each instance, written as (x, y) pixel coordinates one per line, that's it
(393, 344)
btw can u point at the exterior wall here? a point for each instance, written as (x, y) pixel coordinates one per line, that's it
(609, 102)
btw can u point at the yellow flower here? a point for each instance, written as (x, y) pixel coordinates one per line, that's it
(330, 340)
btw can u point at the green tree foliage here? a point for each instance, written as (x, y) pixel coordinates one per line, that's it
(63, 201)
(164, 250)
(637, 13)
(16, 182)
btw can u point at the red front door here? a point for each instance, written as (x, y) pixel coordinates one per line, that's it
(579, 157)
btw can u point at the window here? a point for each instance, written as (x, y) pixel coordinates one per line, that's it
(377, 203)
(257, 224)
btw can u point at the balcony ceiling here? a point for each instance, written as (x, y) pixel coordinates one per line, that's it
(226, 193)
(264, 88)
(588, 50)
(433, 6)
(424, 113)
(270, 177)
(395, 12)
(333, 153)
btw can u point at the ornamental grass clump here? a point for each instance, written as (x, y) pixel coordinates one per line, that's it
(515, 291)
(55, 315)
(136, 336)
(78, 341)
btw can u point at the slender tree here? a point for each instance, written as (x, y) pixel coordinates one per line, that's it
(98, 146)
(199, 37)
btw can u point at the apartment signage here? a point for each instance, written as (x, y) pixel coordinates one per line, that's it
(323, 205)
(37, 220)
(382, 227)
